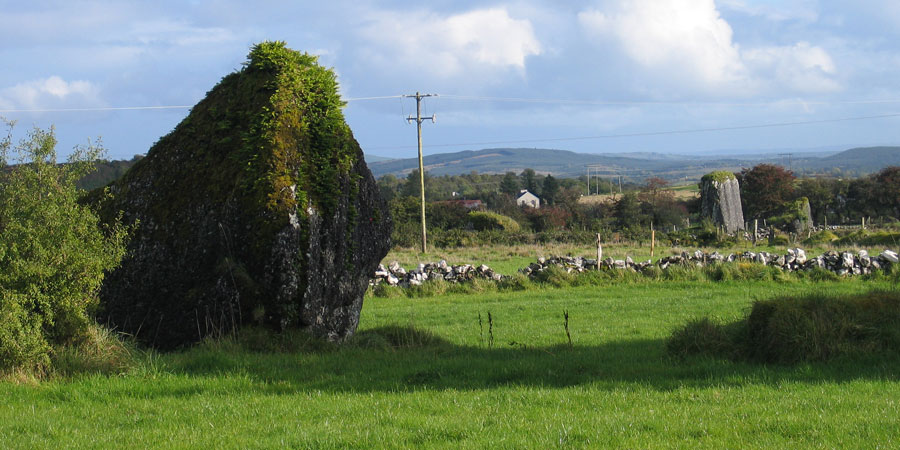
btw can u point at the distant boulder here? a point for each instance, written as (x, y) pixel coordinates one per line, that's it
(720, 200)
(257, 208)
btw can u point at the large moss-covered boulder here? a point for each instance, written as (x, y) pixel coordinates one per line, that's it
(257, 208)
(720, 200)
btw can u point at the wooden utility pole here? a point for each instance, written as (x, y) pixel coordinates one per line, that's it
(419, 120)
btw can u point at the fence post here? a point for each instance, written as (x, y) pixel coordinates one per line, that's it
(599, 251)
(755, 230)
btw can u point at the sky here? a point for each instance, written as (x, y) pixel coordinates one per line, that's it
(598, 76)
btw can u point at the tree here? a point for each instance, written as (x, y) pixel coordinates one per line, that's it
(529, 181)
(765, 189)
(388, 185)
(628, 212)
(412, 187)
(550, 189)
(509, 185)
(888, 191)
(53, 252)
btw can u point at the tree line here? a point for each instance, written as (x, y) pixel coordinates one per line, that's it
(767, 192)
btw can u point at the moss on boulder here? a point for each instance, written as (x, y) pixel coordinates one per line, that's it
(719, 176)
(257, 208)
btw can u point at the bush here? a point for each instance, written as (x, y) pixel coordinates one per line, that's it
(796, 329)
(53, 252)
(822, 237)
(863, 237)
(777, 239)
(484, 220)
(818, 328)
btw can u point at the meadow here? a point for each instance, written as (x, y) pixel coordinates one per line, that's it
(479, 370)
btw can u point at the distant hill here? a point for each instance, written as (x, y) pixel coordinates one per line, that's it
(106, 172)
(559, 163)
(863, 159)
(633, 166)
(563, 163)
(376, 158)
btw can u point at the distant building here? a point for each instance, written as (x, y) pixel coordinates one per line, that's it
(526, 198)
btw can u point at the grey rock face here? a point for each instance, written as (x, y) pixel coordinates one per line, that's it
(244, 216)
(721, 202)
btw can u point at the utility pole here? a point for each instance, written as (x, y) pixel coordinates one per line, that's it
(790, 157)
(419, 120)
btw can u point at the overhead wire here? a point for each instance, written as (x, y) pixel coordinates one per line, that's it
(555, 101)
(665, 102)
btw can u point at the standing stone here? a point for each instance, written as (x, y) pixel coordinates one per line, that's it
(720, 200)
(257, 208)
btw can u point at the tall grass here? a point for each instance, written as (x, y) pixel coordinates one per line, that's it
(791, 329)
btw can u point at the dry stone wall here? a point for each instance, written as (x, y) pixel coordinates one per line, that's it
(795, 259)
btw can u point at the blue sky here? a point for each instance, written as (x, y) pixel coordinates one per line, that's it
(618, 71)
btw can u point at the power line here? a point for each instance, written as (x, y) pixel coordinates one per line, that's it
(656, 133)
(383, 97)
(661, 102)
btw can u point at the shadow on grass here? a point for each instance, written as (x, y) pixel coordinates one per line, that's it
(405, 359)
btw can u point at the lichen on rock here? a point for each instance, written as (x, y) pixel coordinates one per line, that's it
(257, 207)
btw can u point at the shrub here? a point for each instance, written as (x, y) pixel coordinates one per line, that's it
(484, 220)
(777, 239)
(53, 252)
(863, 237)
(796, 329)
(822, 237)
(811, 328)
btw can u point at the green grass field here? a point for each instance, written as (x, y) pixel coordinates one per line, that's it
(421, 373)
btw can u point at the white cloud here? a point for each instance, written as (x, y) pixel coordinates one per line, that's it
(686, 35)
(448, 46)
(686, 46)
(802, 68)
(51, 92)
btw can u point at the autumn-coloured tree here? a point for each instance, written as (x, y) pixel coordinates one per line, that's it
(765, 189)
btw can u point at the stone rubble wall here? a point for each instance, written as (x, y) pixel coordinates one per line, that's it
(394, 275)
(841, 263)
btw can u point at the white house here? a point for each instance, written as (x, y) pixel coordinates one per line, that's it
(526, 198)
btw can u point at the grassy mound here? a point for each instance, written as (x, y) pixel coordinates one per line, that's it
(870, 238)
(795, 329)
